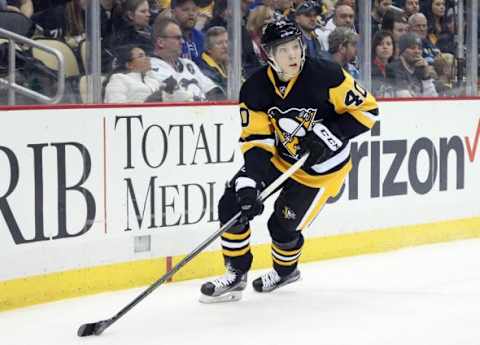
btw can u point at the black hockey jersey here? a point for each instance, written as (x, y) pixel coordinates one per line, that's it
(275, 114)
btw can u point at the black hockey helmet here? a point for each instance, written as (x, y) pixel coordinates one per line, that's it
(279, 31)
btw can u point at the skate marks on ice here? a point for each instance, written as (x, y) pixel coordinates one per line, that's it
(422, 295)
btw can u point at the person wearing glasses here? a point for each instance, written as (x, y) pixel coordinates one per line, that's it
(189, 83)
(306, 15)
(418, 24)
(131, 81)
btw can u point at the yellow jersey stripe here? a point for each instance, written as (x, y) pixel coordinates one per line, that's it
(313, 213)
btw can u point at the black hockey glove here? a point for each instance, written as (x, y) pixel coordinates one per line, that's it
(247, 197)
(322, 144)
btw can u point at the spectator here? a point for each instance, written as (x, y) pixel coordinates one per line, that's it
(189, 83)
(66, 22)
(396, 22)
(435, 14)
(205, 13)
(342, 44)
(444, 65)
(447, 42)
(215, 57)
(185, 12)
(383, 48)
(155, 9)
(257, 19)
(306, 18)
(131, 81)
(410, 74)
(250, 62)
(411, 7)
(219, 15)
(379, 9)
(283, 7)
(108, 7)
(134, 27)
(351, 3)
(343, 16)
(418, 24)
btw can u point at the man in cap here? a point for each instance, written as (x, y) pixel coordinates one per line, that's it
(306, 18)
(410, 74)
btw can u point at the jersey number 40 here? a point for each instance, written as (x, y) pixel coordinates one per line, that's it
(356, 95)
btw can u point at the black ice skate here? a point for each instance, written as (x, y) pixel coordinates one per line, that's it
(271, 280)
(227, 288)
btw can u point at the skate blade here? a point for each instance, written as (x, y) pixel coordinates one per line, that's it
(281, 285)
(228, 297)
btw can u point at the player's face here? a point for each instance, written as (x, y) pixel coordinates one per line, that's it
(288, 56)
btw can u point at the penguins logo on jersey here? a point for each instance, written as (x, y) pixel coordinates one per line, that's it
(290, 125)
(288, 213)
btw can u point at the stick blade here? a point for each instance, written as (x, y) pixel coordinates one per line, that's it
(87, 329)
(94, 328)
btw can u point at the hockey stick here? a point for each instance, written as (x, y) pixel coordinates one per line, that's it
(97, 328)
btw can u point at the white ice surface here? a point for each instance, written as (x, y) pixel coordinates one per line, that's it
(428, 295)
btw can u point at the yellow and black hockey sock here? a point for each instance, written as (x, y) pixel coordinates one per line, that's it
(236, 249)
(285, 256)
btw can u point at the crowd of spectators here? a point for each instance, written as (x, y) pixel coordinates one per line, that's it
(178, 50)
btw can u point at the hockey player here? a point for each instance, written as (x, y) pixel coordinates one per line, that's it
(292, 106)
